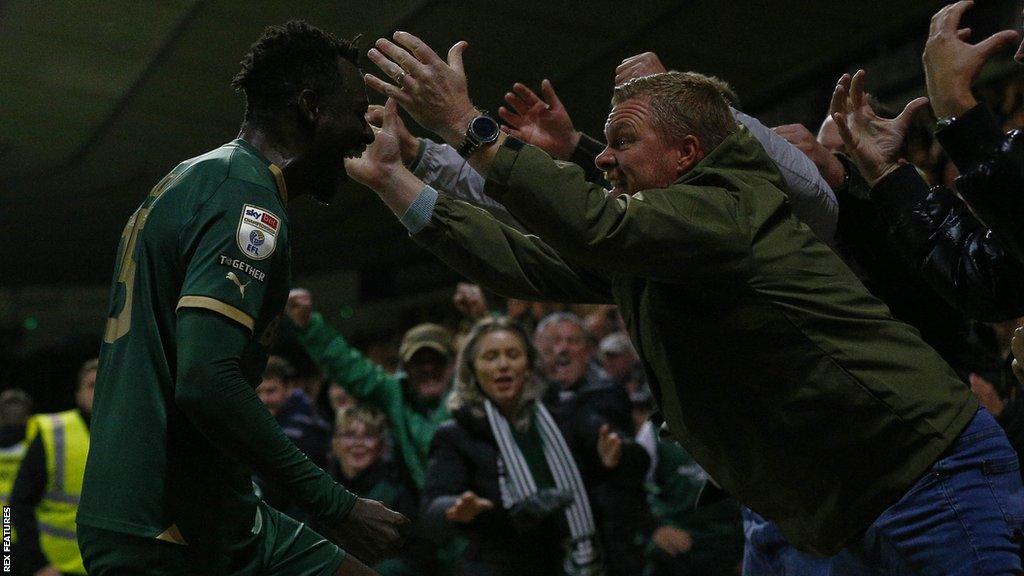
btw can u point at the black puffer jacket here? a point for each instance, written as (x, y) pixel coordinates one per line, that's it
(464, 456)
(956, 253)
(865, 243)
(991, 166)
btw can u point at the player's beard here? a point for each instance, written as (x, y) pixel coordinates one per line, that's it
(318, 177)
(328, 186)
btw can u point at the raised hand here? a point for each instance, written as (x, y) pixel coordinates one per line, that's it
(383, 157)
(433, 91)
(299, 307)
(873, 143)
(469, 301)
(408, 144)
(545, 123)
(467, 507)
(951, 64)
(371, 531)
(636, 66)
(609, 447)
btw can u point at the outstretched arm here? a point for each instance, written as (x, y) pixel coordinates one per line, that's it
(470, 240)
(339, 360)
(212, 393)
(628, 236)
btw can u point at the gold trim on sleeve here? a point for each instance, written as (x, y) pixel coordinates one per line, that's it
(282, 188)
(172, 535)
(219, 307)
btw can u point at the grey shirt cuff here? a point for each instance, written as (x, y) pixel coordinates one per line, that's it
(420, 211)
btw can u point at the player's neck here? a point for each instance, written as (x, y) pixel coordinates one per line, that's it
(273, 146)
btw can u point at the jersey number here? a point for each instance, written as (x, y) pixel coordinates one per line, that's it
(119, 323)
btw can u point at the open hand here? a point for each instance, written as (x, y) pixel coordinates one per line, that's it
(467, 507)
(370, 531)
(382, 159)
(873, 143)
(951, 64)
(433, 91)
(609, 447)
(408, 145)
(545, 123)
(636, 66)
(299, 307)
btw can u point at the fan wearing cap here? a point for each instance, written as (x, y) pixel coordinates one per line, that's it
(412, 399)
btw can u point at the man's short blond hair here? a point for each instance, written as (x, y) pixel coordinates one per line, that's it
(683, 103)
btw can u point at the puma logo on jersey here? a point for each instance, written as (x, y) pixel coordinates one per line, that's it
(241, 287)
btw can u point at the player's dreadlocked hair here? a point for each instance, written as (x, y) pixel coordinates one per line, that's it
(286, 60)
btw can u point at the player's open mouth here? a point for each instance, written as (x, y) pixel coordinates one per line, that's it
(356, 152)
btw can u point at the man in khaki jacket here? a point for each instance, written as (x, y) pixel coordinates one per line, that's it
(773, 366)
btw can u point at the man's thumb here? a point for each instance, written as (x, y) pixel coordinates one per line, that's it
(997, 42)
(455, 56)
(913, 107)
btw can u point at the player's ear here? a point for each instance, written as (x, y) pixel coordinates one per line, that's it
(308, 107)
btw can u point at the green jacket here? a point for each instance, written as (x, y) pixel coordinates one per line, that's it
(412, 427)
(774, 367)
(716, 528)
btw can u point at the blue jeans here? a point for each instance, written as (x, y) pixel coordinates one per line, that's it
(963, 517)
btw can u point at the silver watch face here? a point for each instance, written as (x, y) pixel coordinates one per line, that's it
(484, 129)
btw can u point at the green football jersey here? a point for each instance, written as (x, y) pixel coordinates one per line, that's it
(212, 234)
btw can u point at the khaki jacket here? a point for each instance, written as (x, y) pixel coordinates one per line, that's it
(774, 367)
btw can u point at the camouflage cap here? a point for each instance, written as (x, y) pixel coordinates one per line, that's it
(432, 336)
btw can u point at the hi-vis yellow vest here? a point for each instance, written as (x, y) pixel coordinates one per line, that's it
(66, 442)
(10, 461)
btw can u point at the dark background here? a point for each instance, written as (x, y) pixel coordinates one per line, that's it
(99, 99)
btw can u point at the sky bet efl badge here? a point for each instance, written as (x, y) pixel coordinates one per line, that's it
(257, 232)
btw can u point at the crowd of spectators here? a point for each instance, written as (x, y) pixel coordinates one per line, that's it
(419, 440)
(575, 476)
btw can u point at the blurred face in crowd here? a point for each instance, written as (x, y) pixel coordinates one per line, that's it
(274, 394)
(828, 135)
(502, 367)
(429, 373)
(638, 156)
(564, 352)
(338, 397)
(618, 365)
(356, 448)
(85, 391)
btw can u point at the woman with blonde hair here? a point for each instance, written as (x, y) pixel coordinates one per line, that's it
(517, 474)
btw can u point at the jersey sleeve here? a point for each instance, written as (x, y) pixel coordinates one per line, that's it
(231, 248)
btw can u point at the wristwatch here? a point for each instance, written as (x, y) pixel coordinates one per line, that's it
(482, 130)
